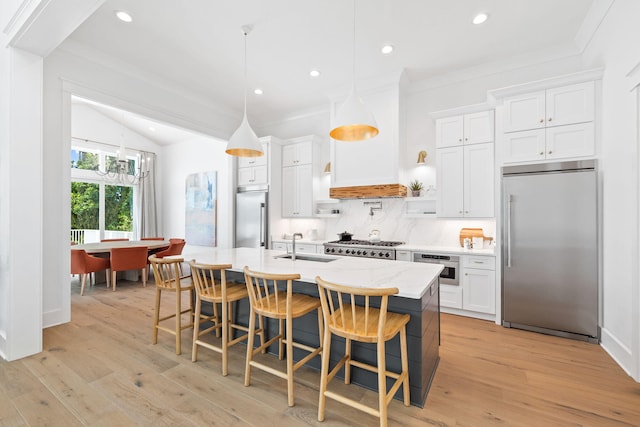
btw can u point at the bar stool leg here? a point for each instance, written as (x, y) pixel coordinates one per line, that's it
(247, 367)
(225, 335)
(405, 366)
(347, 366)
(156, 317)
(261, 333)
(196, 331)
(289, 340)
(281, 340)
(178, 321)
(324, 373)
(382, 384)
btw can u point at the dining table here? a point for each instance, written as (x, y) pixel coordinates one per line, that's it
(97, 248)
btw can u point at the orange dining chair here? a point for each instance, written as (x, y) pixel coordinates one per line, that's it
(114, 240)
(83, 264)
(133, 258)
(175, 248)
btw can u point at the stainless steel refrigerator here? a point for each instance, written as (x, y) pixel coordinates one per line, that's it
(252, 218)
(550, 249)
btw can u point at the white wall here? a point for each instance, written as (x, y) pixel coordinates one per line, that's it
(200, 154)
(616, 45)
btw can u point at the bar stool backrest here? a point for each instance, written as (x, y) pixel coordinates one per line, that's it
(166, 271)
(266, 293)
(205, 282)
(344, 318)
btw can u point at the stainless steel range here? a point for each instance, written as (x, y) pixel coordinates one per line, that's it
(362, 248)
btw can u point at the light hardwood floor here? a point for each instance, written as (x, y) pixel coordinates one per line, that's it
(101, 370)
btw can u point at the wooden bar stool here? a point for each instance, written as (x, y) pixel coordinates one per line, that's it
(344, 318)
(217, 292)
(266, 299)
(167, 276)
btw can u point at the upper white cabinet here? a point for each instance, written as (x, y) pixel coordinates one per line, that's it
(300, 153)
(472, 128)
(465, 162)
(552, 107)
(301, 164)
(556, 123)
(376, 160)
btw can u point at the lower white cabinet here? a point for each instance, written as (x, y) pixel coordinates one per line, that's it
(301, 247)
(403, 256)
(451, 296)
(478, 282)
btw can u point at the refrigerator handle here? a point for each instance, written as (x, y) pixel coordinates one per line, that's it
(262, 225)
(509, 200)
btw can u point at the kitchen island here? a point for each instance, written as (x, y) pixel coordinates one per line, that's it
(418, 295)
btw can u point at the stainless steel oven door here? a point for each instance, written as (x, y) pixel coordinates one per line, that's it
(451, 263)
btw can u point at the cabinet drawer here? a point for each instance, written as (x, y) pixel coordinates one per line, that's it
(403, 256)
(451, 296)
(481, 262)
(303, 248)
(280, 246)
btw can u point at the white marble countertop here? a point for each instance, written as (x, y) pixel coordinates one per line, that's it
(411, 279)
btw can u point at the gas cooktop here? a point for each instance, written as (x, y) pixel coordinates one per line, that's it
(362, 248)
(364, 243)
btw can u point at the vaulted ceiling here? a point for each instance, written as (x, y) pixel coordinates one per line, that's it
(197, 45)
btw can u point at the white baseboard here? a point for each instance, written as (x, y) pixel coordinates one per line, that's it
(54, 317)
(620, 353)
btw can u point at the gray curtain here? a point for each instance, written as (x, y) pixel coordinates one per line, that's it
(147, 224)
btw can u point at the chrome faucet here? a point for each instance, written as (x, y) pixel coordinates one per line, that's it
(293, 250)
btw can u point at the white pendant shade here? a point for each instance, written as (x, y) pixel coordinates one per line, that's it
(354, 122)
(244, 142)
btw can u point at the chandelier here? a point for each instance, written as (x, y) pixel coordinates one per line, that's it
(123, 171)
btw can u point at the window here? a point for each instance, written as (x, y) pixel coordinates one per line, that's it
(100, 208)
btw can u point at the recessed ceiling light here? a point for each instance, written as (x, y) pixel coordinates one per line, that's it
(386, 49)
(314, 73)
(480, 18)
(124, 16)
(257, 91)
(152, 129)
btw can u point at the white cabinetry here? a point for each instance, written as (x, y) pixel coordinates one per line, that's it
(550, 124)
(300, 164)
(465, 180)
(403, 255)
(254, 170)
(472, 128)
(301, 247)
(479, 284)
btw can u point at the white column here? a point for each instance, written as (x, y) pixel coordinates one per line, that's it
(21, 211)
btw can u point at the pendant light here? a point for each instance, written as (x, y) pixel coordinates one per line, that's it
(244, 142)
(353, 121)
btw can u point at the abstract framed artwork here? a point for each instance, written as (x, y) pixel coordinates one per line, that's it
(201, 209)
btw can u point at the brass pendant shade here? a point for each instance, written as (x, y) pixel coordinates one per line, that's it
(244, 142)
(353, 121)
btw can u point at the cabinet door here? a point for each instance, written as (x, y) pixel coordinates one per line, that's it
(479, 290)
(570, 104)
(245, 176)
(523, 146)
(304, 153)
(524, 112)
(449, 181)
(451, 296)
(289, 199)
(570, 141)
(449, 131)
(289, 155)
(260, 175)
(478, 127)
(304, 190)
(478, 180)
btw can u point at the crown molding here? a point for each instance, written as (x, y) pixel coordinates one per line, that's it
(591, 23)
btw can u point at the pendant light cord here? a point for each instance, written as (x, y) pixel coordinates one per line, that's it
(353, 83)
(245, 73)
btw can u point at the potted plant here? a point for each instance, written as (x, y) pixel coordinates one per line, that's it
(415, 187)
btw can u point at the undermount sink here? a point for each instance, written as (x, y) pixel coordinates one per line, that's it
(305, 257)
